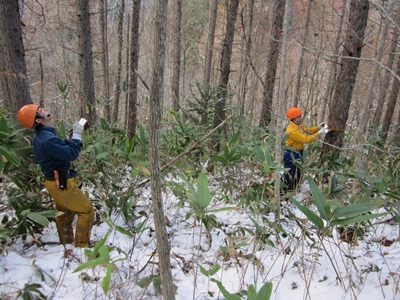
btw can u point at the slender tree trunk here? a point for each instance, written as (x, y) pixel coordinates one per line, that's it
(134, 63)
(225, 65)
(347, 75)
(247, 24)
(362, 132)
(301, 62)
(127, 70)
(120, 30)
(272, 62)
(386, 78)
(210, 43)
(333, 67)
(104, 58)
(86, 89)
(13, 72)
(281, 107)
(176, 53)
(156, 100)
(390, 108)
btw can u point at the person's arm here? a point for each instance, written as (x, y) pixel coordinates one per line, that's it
(63, 151)
(303, 138)
(310, 130)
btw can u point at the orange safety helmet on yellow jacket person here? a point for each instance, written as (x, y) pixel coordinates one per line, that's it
(27, 115)
(293, 113)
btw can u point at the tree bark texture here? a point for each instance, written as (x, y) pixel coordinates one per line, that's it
(86, 88)
(176, 53)
(210, 43)
(347, 75)
(156, 100)
(272, 62)
(13, 71)
(117, 92)
(225, 65)
(134, 63)
(104, 58)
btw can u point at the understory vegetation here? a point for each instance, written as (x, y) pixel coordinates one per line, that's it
(241, 176)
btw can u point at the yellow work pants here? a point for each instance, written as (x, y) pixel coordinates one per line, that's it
(71, 202)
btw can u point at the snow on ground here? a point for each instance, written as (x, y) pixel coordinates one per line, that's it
(300, 266)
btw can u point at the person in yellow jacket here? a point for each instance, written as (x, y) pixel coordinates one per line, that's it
(298, 135)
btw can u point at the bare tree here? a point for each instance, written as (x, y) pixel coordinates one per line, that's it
(390, 108)
(219, 115)
(134, 63)
(86, 80)
(301, 62)
(272, 62)
(156, 99)
(117, 93)
(103, 14)
(347, 75)
(176, 52)
(210, 42)
(247, 24)
(13, 71)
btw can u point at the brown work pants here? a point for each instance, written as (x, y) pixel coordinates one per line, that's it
(71, 202)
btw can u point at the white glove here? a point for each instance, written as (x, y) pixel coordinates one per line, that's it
(321, 125)
(77, 131)
(323, 131)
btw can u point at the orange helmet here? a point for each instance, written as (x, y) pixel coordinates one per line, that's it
(293, 113)
(27, 115)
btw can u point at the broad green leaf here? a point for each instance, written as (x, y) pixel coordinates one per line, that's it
(104, 252)
(265, 292)
(317, 221)
(48, 213)
(251, 292)
(354, 209)
(229, 208)
(95, 262)
(124, 231)
(357, 219)
(107, 279)
(320, 201)
(203, 191)
(11, 157)
(38, 218)
(224, 292)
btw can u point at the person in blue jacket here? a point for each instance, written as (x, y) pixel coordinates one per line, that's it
(54, 157)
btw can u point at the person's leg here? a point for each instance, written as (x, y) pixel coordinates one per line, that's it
(74, 200)
(65, 219)
(289, 176)
(84, 208)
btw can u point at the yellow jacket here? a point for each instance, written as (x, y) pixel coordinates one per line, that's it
(300, 135)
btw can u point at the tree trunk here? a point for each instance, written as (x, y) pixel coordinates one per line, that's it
(176, 53)
(347, 76)
(301, 62)
(210, 43)
(156, 100)
(281, 108)
(104, 58)
(247, 25)
(272, 62)
(120, 30)
(390, 108)
(134, 63)
(384, 87)
(13, 72)
(86, 88)
(220, 107)
(333, 66)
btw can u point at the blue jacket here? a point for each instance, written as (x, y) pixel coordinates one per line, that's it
(52, 153)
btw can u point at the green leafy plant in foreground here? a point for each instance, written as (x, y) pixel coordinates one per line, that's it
(251, 294)
(99, 256)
